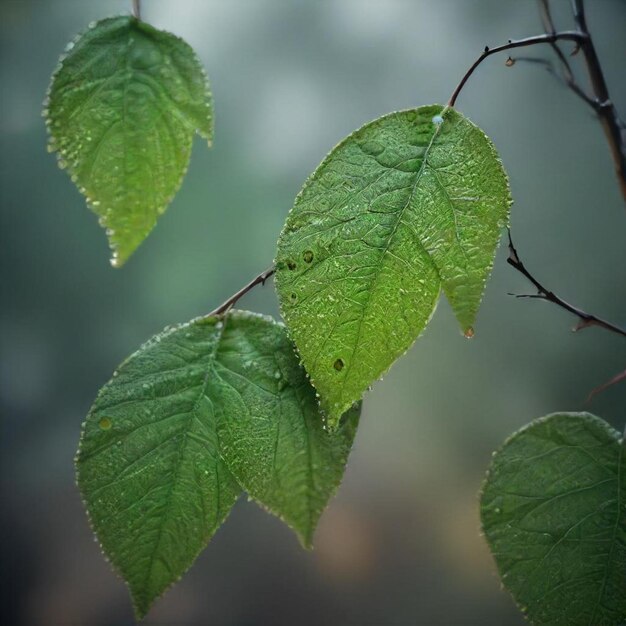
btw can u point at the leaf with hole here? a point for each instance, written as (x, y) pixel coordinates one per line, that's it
(553, 510)
(122, 110)
(409, 204)
(194, 411)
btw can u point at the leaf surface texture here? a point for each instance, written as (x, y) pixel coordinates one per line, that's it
(412, 203)
(554, 513)
(122, 110)
(195, 415)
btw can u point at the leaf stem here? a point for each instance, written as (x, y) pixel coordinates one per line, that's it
(549, 38)
(137, 9)
(228, 304)
(585, 319)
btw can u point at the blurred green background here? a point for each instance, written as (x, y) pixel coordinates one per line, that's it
(401, 542)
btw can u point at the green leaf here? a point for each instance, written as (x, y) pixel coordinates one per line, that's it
(286, 460)
(410, 203)
(554, 513)
(153, 463)
(122, 109)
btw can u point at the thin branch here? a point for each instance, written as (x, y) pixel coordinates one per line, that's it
(565, 76)
(609, 383)
(549, 38)
(228, 304)
(600, 103)
(137, 9)
(567, 73)
(605, 109)
(585, 319)
(546, 16)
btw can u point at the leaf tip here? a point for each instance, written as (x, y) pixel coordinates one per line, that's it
(333, 420)
(141, 605)
(305, 537)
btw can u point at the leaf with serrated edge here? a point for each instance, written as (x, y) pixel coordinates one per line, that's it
(153, 468)
(412, 202)
(122, 109)
(285, 459)
(553, 512)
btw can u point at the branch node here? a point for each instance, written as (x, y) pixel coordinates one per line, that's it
(585, 319)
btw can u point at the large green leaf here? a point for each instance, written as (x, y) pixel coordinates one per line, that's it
(122, 109)
(554, 513)
(410, 203)
(151, 462)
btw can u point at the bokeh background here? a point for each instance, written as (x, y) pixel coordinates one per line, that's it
(401, 543)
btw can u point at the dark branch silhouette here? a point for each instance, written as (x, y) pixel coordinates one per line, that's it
(549, 38)
(543, 293)
(228, 304)
(604, 107)
(600, 102)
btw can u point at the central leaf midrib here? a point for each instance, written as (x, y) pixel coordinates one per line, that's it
(375, 275)
(183, 448)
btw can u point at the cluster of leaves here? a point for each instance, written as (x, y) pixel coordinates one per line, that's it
(409, 205)
(200, 413)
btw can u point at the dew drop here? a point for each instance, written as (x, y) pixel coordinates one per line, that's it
(307, 256)
(105, 423)
(338, 365)
(469, 333)
(277, 375)
(437, 119)
(293, 297)
(291, 265)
